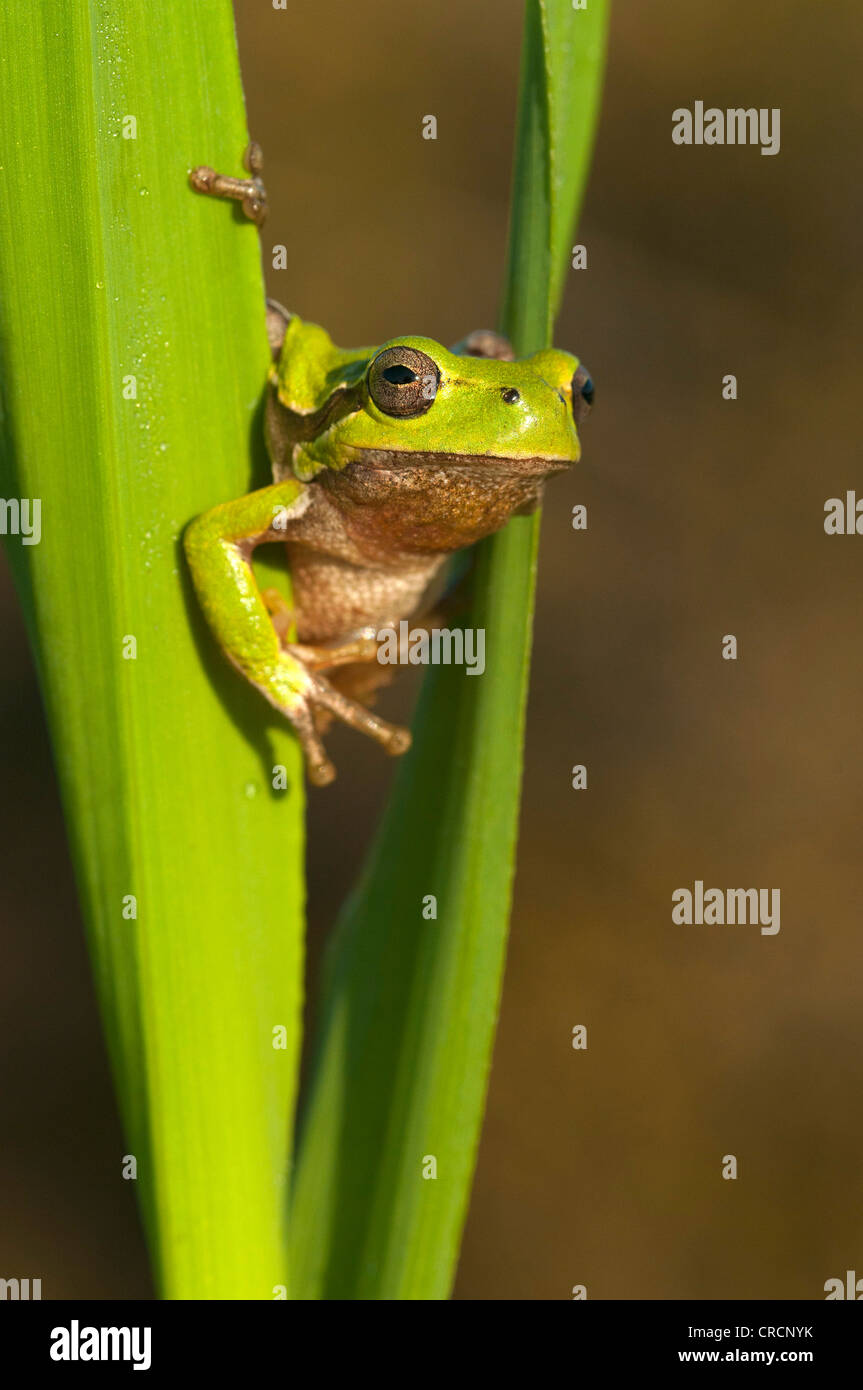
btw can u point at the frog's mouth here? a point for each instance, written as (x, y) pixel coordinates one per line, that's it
(481, 466)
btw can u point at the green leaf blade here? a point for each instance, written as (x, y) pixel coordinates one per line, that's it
(111, 267)
(404, 1046)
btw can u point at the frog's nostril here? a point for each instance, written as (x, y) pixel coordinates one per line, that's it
(582, 394)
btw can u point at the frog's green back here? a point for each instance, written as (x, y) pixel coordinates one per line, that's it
(310, 367)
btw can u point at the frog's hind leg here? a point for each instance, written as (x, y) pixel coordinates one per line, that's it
(356, 678)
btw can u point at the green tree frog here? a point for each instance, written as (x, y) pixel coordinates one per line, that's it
(385, 461)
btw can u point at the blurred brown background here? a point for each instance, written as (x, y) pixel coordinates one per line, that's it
(705, 518)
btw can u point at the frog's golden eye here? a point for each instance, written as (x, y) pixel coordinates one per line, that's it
(582, 394)
(403, 382)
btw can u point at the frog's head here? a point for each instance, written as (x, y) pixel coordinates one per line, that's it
(430, 430)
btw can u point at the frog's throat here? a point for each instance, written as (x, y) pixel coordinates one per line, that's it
(397, 464)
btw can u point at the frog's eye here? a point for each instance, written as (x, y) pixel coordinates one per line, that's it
(403, 382)
(582, 394)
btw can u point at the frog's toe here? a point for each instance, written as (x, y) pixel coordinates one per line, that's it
(321, 772)
(399, 741)
(391, 737)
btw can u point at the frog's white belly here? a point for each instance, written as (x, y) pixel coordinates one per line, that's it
(334, 598)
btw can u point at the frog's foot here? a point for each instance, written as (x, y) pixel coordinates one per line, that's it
(360, 676)
(353, 671)
(311, 702)
(303, 696)
(391, 737)
(250, 192)
(334, 699)
(359, 682)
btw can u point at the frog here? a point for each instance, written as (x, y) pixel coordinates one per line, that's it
(386, 461)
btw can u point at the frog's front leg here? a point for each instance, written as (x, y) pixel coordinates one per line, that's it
(219, 546)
